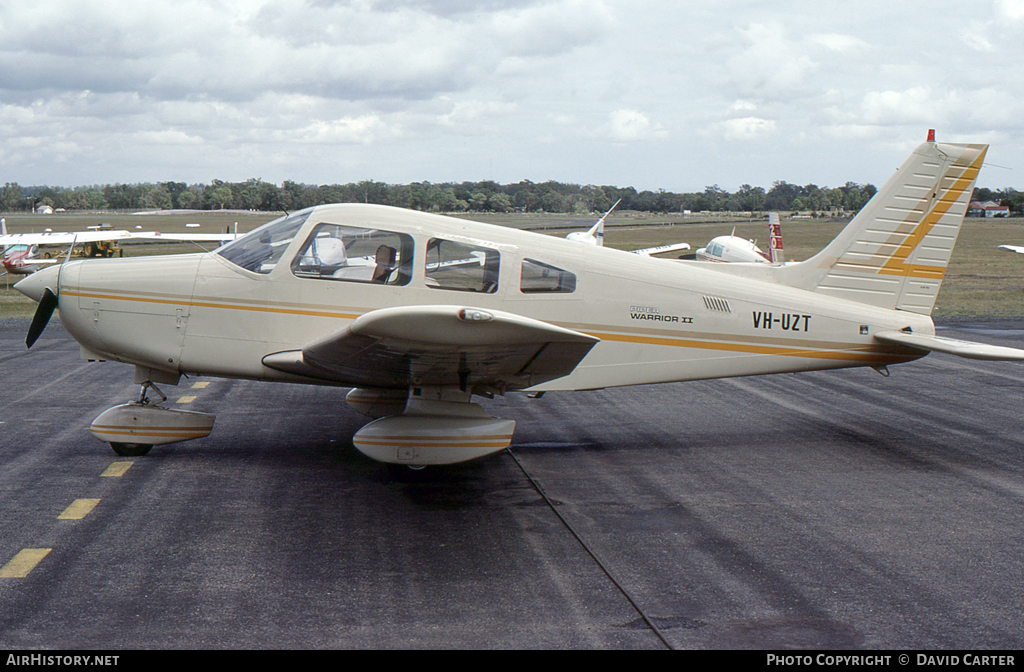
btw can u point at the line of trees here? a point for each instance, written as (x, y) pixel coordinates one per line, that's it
(485, 196)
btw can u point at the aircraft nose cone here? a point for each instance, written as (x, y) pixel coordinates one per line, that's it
(33, 285)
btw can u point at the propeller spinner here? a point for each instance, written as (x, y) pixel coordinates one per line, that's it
(42, 286)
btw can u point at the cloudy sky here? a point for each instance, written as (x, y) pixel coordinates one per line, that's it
(672, 94)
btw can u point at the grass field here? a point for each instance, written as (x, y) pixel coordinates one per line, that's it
(982, 280)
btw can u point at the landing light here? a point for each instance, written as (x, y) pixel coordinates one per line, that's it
(475, 316)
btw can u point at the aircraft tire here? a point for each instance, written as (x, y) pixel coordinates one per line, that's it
(402, 473)
(131, 449)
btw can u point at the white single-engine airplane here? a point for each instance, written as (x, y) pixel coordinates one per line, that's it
(417, 338)
(1019, 249)
(733, 249)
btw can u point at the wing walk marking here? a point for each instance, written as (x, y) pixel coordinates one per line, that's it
(23, 563)
(78, 509)
(116, 469)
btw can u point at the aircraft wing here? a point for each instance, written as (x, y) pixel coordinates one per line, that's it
(440, 345)
(1013, 248)
(475, 259)
(951, 346)
(648, 251)
(62, 238)
(186, 237)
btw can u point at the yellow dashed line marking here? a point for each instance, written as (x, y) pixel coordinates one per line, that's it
(187, 399)
(23, 563)
(79, 509)
(200, 386)
(117, 469)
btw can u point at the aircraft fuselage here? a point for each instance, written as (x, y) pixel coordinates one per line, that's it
(657, 320)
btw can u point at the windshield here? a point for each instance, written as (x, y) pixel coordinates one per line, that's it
(260, 249)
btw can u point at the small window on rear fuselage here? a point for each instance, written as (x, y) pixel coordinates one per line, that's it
(538, 277)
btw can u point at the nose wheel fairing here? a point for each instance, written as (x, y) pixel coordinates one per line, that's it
(132, 429)
(138, 423)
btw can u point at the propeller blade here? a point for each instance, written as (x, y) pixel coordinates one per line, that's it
(47, 304)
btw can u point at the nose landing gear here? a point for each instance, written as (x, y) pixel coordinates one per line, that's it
(132, 429)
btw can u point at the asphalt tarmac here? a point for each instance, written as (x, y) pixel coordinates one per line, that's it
(816, 510)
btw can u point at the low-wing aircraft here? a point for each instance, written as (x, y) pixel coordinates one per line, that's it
(417, 340)
(733, 249)
(595, 236)
(1019, 249)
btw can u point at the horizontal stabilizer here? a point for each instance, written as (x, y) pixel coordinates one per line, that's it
(952, 346)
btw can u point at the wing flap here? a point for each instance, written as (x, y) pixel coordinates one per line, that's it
(440, 346)
(952, 346)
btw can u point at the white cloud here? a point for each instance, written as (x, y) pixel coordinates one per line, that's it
(747, 128)
(604, 92)
(632, 126)
(1011, 9)
(838, 42)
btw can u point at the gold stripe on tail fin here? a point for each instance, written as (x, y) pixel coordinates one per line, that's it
(895, 252)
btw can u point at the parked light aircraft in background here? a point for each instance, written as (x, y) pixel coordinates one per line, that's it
(595, 236)
(734, 249)
(417, 339)
(20, 249)
(1019, 249)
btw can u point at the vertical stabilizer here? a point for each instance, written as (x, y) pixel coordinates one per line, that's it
(895, 252)
(598, 229)
(775, 253)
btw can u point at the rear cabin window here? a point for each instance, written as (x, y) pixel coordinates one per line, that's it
(355, 254)
(461, 266)
(538, 277)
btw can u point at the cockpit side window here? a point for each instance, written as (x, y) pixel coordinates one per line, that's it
(260, 249)
(355, 254)
(461, 266)
(540, 277)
